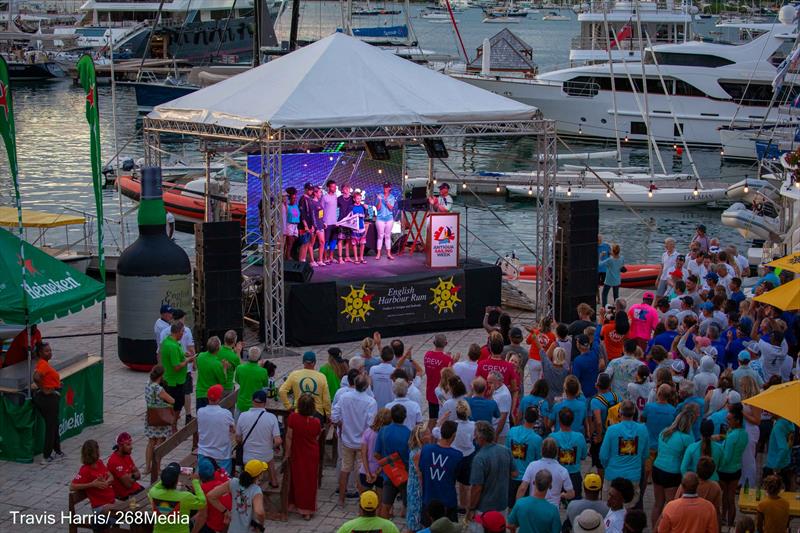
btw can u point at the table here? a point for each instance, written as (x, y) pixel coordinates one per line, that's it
(416, 230)
(748, 503)
(134, 517)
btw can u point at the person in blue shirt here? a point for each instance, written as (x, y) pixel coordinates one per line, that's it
(598, 408)
(603, 253)
(738, 341)
(779, 450)
(393, 439)
(385, 204)
(525, 445)
(585, 367)
(666, 338)
(578, 405)
(625, 448)
(612, 266)
(736, 294)
(538, 399)
(658, 415)
(571, 449)
(482, 408)
(687, 395)
(771, 277)
(672, 444)
(534, 514)
(438, 465)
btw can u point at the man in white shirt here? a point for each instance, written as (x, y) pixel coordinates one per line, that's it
(740, 260)
(353, 413)
(696, 266)
(381, 376)
(413, 412)
(264, 434)
(667, 265)
(502, 397)
(162, 323)
(444, 203)
(466, 370)
(620, 494)
(562, 484)
(215, 427)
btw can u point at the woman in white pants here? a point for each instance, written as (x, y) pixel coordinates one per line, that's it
(752, 420)
(385, 220)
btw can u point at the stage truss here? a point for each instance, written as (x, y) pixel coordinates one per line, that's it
(271, 143)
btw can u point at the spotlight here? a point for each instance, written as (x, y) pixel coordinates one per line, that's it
(436, 148)
(722, 152)
(580, 130)
(377, 150)
(626, 137)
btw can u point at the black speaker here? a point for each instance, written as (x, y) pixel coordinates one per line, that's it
(377, 150)
(297, 272)
(436, 148)
(576, 257)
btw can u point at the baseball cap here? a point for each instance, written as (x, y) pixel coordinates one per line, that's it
(368, 500)
(166, 308)
(205, 469)
(678, 366)
(688, 300)
(169, 476)
(444, 185)
(713, 249)
(492, 521)
(177, 314)
(592, 482)
(260, 396)
(708, 306)
(744, 355)
(753, 347)
(681, 257)
(709, 351)
(336, 353)
(648, 295)
(734, 397)
(255, 468)
(589, 521)
(712, 276)
(582, 339)
(309, 357)
(124, 437)
(515, 332)
(701, 227)
(387, 183)
(308, 185)
(215, 393)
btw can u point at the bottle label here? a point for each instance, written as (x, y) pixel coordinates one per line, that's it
(139, 299)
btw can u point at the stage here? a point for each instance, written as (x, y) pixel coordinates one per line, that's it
(350, 301)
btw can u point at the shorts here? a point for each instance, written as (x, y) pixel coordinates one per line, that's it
(290, 230)
(331, 238)
(345, 233)
(199, 403)
(349, 458)
(189, 385)
(464, 469)
(601, 278)
(729, 477)
(577, 484)
(305, 237)
(668, 480)
(177, 393)
(594, 453)
(378, 484)
(433, 411)
(390, 493)
(359, 237)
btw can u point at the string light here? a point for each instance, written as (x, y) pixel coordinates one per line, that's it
(650, 190)
(746, 188)
(722, 152)
(608, 193)
(308, 150)
(434, 181)
(674, 146)
(695, 192)
(569, 189)
(330, 158)
(497, 186)
(580, 130)
(530, 190)
(380, 171)
(406, 176)
(626, 137)
(463, 184)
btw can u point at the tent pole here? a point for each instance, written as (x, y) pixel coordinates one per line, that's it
(29, 349)
(102, 329)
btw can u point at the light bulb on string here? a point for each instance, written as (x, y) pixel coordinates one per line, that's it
(434, 181)
(695, 192)
(580, 130)
(626, 137)
(746, 188)
(650, 190)
(569, 189)
(380, 171)
(608, 193)
(463, 184)
(530, 190)
(497, 186)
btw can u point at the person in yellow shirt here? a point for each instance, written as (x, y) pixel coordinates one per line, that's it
(307, 381)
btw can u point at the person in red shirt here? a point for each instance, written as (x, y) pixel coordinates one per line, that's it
(434, 361)
(47, 401)
(94, 478)
(496, 362)
(614, 332)
(210, 519)
(121, 466)
(544, 334)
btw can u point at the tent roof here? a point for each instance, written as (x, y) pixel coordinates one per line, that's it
(36, 219)
(54, 289)
(340, 81)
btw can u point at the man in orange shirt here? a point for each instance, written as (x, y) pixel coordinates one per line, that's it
(689, 513)
(47, 400)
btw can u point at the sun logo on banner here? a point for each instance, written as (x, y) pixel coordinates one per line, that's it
(357, 304)
(445, 296)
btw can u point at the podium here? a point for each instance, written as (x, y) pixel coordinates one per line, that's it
(441, 243)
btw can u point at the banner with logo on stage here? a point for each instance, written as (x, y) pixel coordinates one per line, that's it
(441, 248)
(385, 303)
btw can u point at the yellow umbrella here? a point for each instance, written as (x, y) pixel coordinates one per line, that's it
(785, 297)
(790, 262)
(782, 400)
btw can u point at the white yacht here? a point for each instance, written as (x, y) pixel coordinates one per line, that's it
(709, 85)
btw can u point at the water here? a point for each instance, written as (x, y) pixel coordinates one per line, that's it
(55, 173)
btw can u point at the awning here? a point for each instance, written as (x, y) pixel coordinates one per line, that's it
(37, 219)
(782, 400)
(785, 297)
(790, 262)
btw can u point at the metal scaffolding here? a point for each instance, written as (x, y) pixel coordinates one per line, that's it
(546, 223)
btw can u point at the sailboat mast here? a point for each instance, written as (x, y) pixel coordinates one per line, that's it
(293, 27)
(650, 138)
(613, 87)
(257, 32)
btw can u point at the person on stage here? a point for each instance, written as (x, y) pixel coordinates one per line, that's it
(444, 203)
(307, 224)
(291, 220)
(329, 218)
(345, 204)
(319, 226)
(359, 235)
(385, 220)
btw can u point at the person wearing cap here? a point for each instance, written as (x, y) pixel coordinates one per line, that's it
(677, 272)
(214, 429)
(251, 376)
(368, 521)
(210, 519)
(668, 258)
(589, 521)
(625, 449)
(306, 226)
(385, 204)
(247, 513)
(330, 203)
(444, 203)
(345, 206)
(334, 370)
(175, 362)
(94, 478)
(689, 513)
(259, 433)
(745, 370)
(490, 522)
(701, 238)
(644, 319)
(536, 513)
(592, 488)
(291, 219)
(709, 283)
(210, 371)
(162, 322)
(121, 465)
(166, 500)
(307, 381)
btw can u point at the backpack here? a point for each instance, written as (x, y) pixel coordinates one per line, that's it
(612, 416)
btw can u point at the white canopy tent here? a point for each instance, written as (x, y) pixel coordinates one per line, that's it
(340, 81)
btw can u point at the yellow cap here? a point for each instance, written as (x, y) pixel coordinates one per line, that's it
(255, 468)
(592, 482)
(369, 500)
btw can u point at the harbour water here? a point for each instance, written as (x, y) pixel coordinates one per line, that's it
(53, 147)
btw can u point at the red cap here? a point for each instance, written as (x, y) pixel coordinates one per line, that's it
(648, 296)
(215, 393)
(492, 521)
(124, 437)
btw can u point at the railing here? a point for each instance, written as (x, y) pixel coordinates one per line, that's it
(583, 42)
(581, 89)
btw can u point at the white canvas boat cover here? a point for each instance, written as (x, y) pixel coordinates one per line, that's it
(340, 81)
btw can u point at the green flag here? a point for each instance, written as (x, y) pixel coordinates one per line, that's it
(88, 80)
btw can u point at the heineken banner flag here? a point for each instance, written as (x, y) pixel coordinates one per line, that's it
(8, 131)
(378, 303)
(88, 80)
(22, 427)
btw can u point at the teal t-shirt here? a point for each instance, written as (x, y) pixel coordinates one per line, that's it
(535, 515)
(597, 405)
(571, 449)
(671, 451)
(779, 451)
(658, 417)
(719, 419)
(578, 407)
(692, 456)
(732, 450)
(625, 447)
(526, 447)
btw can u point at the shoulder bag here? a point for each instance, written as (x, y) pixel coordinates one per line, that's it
(238, 451)
(160, 416)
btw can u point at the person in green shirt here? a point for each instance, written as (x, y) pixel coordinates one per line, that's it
(730, 467)
(250, 376)
(368, 503)
(230, 352)
(167, 501)
(211, 371)
(175, 362)
(334, 369)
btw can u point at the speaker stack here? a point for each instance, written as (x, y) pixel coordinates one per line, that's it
(576, 257)
(217, 280)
